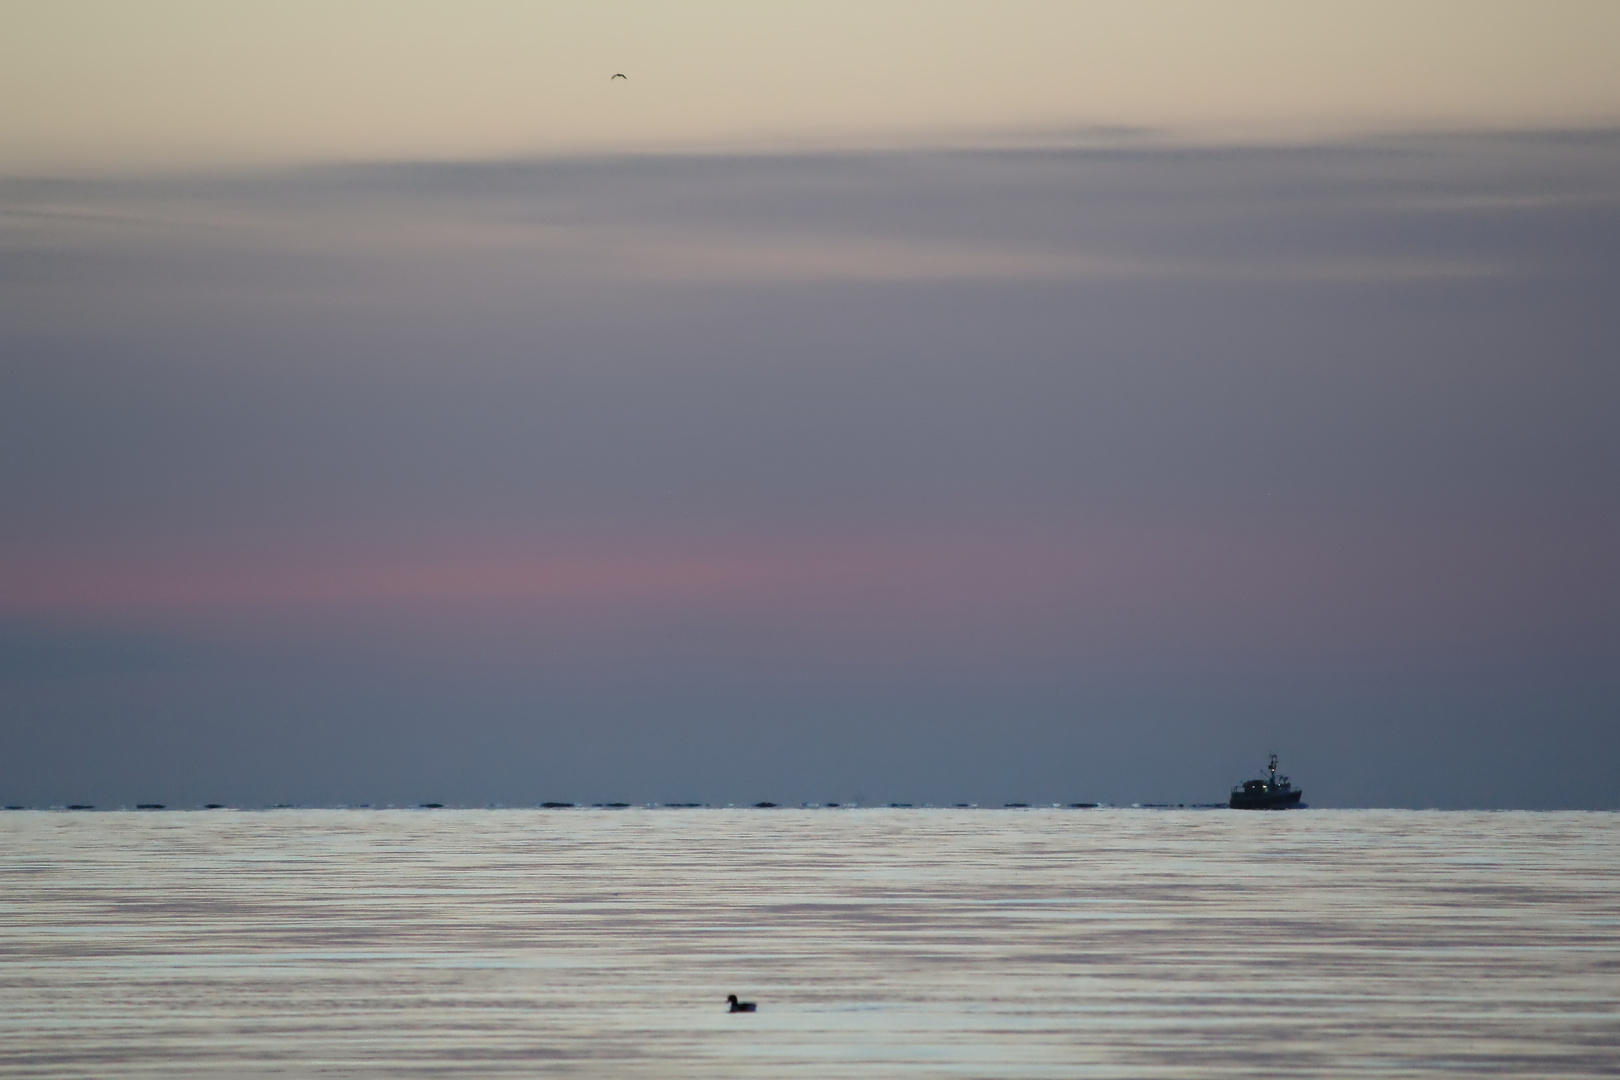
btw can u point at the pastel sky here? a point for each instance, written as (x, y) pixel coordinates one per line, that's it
(99, 83)
(936, 402)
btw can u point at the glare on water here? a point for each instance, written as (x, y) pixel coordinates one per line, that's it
(878, 943)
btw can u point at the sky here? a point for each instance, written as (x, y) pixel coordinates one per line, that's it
(880, 402)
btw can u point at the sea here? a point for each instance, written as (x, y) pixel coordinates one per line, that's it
(996, 943)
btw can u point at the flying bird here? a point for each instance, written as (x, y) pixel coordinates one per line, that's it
(618, 75)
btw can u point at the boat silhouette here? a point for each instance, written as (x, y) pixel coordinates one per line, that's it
(1271, 793)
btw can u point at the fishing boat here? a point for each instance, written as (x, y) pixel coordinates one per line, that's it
(1271, 793)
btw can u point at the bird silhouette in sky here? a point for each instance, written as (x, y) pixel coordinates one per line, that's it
(618, 75)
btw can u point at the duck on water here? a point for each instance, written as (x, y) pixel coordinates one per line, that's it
(1272, 793)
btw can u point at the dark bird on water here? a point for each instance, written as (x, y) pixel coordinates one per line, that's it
(739, 1006)
(617, 75)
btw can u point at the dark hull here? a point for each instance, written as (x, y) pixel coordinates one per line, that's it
(1264, 800)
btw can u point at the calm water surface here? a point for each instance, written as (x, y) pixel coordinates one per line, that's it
(879, 943)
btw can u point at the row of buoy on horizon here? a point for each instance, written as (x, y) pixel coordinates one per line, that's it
(624, 806)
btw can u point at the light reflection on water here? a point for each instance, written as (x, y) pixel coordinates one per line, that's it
(879, 943)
